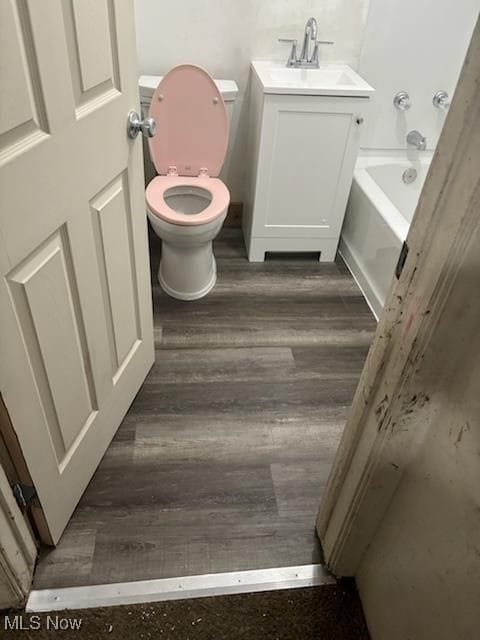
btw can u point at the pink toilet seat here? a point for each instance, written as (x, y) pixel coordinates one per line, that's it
(191, 140)
(155, 196)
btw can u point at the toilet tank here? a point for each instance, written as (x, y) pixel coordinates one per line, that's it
(148, 84)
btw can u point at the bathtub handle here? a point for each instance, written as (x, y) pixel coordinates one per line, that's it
(401, 101)
(441, 100)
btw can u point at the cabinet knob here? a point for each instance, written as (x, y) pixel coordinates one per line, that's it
(359, 120)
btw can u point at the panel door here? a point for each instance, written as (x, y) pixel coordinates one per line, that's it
(307, 156)
(76, 320)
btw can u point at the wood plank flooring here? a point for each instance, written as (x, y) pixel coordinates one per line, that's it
(220, 462)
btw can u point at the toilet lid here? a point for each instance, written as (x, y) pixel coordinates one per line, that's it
(192, 124)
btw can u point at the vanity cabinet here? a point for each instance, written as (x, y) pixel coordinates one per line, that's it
(301, 159)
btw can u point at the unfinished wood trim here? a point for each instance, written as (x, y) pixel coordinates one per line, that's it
(16, 470)
(18, 550)
(379, 438)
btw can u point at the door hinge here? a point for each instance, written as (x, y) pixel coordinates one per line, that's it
(24, 494)
(402, 258)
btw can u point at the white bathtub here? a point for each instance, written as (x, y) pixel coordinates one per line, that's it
(379, 213)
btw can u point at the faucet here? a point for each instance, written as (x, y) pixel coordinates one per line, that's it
(305, 61)
(310, 33)
(416, 139)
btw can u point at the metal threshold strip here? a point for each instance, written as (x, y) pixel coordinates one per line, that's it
(211, 584)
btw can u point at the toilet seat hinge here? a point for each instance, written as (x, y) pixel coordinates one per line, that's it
(172, 171)
(203, 173)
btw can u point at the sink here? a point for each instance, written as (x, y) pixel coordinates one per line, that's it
(328, 80)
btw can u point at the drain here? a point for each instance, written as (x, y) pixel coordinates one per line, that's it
(409, 175)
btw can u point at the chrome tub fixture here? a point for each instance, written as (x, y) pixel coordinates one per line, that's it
(401, 101)
(415, 139)
(441, 100)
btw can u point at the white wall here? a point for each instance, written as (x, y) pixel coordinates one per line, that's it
(225, 35)
(416, 46)
(420, 576)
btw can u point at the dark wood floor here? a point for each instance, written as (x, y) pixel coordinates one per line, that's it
(221, 460)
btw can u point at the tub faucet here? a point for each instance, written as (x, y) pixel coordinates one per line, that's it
(416, 139)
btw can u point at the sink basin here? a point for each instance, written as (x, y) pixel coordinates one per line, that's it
(328, 80)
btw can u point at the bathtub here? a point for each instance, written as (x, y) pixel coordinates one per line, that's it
(378, 216)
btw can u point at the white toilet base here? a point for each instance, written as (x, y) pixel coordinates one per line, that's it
(189, 295)
(188, 270)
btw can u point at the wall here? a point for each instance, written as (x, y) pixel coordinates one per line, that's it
(419, 578)
(225, 35)
(416, 46)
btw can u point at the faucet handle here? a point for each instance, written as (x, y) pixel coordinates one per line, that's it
(441, 100)
(314, 58)
(401, 101)
(293, 53)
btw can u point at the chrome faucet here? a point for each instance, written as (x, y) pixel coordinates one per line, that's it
(305, 61)
(415, 139)
(310, 33)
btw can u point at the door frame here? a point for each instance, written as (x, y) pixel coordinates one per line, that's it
(16, 470)
(380, 436)
(18, 550)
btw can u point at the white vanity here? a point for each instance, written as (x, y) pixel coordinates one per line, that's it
(305, 127)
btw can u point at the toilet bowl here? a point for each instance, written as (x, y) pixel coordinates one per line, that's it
(186, 202)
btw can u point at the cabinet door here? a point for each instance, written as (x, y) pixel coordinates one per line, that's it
(307, 156)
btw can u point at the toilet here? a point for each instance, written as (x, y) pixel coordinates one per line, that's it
(187, 202)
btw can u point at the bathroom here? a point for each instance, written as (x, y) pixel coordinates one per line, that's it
(390, 172)
(260, 330)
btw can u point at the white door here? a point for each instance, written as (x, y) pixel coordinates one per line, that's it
(76, 319)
